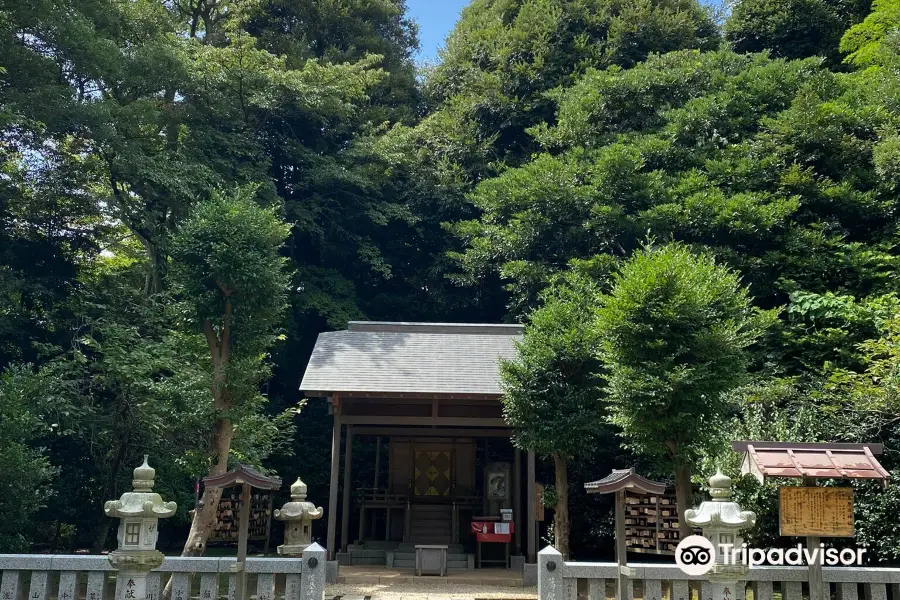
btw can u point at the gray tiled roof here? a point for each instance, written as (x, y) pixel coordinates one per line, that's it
(437, 358)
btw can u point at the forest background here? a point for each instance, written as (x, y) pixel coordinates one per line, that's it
(553, 141)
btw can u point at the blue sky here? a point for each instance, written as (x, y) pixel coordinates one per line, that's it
(436, 18)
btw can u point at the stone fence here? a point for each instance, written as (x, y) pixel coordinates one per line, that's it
(563, 580)
(75, 577)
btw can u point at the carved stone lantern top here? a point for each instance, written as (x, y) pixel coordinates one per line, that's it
(298, 508)
(143, 501)
(721, 512)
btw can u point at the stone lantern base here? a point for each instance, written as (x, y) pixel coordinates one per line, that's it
(292, 549)
(133, 568)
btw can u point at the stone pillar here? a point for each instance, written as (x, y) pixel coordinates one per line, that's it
(550, 574)
(721, 521)
(139, 512)
(313, 574)
(298, 516)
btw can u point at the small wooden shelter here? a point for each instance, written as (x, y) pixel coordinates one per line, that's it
(618, 482)
(433, 391)
(247, 478)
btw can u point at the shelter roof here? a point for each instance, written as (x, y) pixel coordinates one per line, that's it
(396, 358)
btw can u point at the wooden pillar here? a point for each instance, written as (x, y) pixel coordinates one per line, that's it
(621, 556)
(817, 586)
(531, 509)
(333, 484)
(345, 501)
(484, 487)
(377, 461)
(243, 534)
(517, 500)
(377, 477)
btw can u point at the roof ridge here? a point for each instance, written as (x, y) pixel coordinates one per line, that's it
(446, 328)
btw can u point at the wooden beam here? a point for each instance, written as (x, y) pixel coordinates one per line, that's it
(333, 484)
(345, 502)
(424, 421)
(377, 401)
(393, 395)
(430, 432)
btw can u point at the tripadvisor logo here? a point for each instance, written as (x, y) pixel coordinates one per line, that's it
(695, 555)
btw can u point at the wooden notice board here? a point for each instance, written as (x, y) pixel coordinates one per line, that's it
(816, 511)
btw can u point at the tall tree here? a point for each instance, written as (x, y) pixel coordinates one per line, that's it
(552, 390)
(675, 330)
(793, 28)
(228, 268)
(25, 471)
(874, 41)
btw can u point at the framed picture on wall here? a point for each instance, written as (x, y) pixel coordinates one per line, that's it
(498, 482)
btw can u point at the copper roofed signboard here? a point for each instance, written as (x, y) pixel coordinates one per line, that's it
(810, 460)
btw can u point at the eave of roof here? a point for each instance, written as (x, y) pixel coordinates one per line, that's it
(243, 474)
(811, 460)
(624, 479)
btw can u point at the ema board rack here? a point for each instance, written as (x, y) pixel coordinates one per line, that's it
(226, 530)
(651, 523)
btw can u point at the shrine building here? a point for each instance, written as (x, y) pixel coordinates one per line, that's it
(427, 396)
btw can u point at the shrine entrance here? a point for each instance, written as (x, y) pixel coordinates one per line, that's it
(432, 476)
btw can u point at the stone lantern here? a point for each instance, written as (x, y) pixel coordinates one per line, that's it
(298, 516)
(139, 512)
(721, 521)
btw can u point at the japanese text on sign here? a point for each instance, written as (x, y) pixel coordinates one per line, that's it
(823, 512)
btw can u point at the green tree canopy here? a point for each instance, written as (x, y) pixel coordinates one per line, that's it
(875, 41)
(793, 28)
(232, 278)
(674, 335)
(552, 391)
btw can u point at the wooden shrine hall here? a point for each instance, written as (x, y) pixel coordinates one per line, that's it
(428, 395)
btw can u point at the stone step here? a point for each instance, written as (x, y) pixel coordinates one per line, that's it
(412, 556)
(380, 544)
(367, 552)
(411, 564)
(377, 562)
(410, 548)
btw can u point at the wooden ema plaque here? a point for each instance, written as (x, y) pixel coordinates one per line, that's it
(816, 511)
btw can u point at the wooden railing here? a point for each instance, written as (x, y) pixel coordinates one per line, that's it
(77, 577)
(562, 580)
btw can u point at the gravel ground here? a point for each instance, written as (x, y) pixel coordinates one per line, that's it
(418, 591)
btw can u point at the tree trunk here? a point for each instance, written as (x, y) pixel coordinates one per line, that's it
(110, 489)
(684, 495)
(561, 513)
(205, 514)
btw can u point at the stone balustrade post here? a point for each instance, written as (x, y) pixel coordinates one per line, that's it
(550, 574)
(312, 576)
